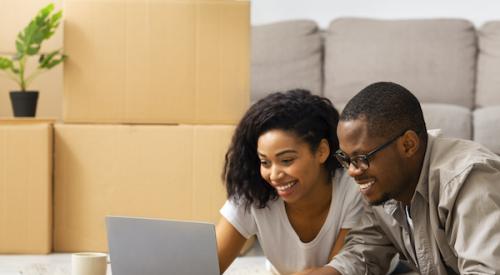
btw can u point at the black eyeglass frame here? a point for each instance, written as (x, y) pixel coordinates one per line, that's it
(346, 161)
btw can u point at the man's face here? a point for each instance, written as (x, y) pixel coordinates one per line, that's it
(385, 178)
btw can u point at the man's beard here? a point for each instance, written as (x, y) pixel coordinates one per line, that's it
(385, 197)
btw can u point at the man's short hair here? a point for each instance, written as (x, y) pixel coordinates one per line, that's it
(388, 108)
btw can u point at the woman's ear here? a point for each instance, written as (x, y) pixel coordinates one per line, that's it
(323, 150)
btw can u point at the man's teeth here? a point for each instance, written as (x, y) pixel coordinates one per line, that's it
(367, 185)
(285, 187)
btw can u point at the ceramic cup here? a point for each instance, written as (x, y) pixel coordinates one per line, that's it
(89, 263)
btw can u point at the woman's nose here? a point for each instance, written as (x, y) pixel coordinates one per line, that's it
(276, 173)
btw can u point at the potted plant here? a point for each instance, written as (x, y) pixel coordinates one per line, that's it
(28, 44)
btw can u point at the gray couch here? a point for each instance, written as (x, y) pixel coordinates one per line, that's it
(452, 67)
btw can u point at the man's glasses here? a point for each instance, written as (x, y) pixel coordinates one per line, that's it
(362, 161)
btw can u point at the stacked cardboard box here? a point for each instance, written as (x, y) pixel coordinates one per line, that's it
(25, 186)
(153, 90)
(150, 61)
(140, 170)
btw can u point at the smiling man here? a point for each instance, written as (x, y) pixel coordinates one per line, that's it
(433, 200)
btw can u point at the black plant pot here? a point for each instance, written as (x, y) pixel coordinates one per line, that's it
(24, 103)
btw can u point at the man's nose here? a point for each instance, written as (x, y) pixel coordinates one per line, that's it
(354, 171)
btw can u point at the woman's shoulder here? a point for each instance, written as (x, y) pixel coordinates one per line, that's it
(342, 179)
(344, 185)
(240, 205)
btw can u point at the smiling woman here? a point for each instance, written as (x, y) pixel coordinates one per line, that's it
(285, 186)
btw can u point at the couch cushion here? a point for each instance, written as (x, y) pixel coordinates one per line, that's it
(453, 120)
(286, 55)
(486, 127)
(488, 66)
(435, 59)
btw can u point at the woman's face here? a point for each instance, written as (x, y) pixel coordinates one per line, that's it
(288, 164)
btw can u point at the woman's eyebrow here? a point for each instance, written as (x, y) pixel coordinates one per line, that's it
(285, 152)
(280, 153)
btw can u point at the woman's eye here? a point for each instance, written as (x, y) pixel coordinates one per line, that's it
(264, 163)
(287, 161)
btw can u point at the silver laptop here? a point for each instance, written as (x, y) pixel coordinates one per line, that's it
(140, 246)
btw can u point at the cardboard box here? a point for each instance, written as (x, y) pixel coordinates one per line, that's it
(25, 187)
(151, 61)
(156, 171)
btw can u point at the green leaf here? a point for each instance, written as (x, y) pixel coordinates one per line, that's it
(51, 60)
(55, 62)
(55, 18)
(20, 50)
(5, 63)
(40, 28)
(47, 9)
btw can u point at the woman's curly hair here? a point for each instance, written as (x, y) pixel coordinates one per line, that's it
(309, 117)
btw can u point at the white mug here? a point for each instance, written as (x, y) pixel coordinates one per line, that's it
(89, 263)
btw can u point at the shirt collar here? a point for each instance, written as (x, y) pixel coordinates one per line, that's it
(423, 180)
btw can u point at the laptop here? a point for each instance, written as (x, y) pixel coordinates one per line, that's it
(142, 246)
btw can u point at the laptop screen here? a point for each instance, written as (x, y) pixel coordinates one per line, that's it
(155, 246)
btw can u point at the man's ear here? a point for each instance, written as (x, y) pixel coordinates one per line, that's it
(410, 143)
(323, 150)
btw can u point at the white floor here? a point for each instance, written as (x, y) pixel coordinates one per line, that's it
(60, 264)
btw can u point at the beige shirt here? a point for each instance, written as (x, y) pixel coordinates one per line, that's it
(455, 213)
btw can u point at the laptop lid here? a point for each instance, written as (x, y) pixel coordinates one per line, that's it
(154, 246)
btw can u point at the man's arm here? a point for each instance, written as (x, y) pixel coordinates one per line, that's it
(475, 228)
(367, 249)
(325, 270)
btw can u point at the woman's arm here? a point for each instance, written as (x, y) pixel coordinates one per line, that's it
(229, 243)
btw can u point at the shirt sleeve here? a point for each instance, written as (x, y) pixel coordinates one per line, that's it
(367, 249)
(240, 218)
(354, 206)
(475, 229)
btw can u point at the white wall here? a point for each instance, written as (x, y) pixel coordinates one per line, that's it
(323, 11)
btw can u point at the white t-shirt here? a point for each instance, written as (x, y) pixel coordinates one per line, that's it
(279, 241)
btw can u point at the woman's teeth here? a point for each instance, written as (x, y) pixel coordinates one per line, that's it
(367, 185)
(286, 187)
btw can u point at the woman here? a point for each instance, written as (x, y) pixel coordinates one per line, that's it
(285, 185)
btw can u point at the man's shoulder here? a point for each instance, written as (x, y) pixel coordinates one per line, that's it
(456, 156)
(452, 160)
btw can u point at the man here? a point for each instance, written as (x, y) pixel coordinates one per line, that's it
(433, 200)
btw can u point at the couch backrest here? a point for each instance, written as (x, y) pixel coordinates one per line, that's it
(286, 55)
(451, 67)
(486, 116)
(488, 67)
(435, 59)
